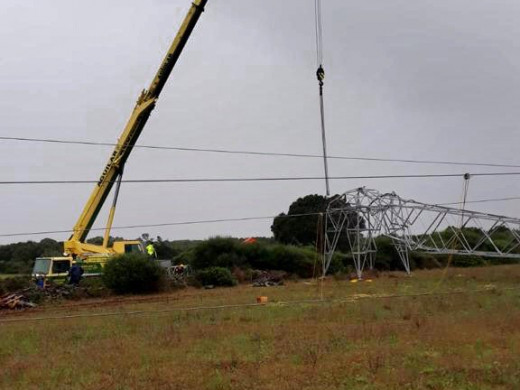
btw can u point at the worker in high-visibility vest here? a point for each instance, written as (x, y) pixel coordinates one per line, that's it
(151, 250)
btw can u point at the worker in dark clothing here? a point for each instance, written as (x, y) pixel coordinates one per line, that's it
(75, 274)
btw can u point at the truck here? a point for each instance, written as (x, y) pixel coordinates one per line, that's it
(76, 249)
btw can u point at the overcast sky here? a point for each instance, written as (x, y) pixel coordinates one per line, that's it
(412, 79)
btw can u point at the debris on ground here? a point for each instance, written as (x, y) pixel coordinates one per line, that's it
(31, 296)
(269, 279)
(14, 301)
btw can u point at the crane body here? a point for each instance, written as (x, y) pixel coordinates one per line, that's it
(93, 257)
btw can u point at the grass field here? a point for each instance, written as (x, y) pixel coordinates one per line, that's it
(460, 331)
(5, 276)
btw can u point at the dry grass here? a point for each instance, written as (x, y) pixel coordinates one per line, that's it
(6, 276)
(464, 340)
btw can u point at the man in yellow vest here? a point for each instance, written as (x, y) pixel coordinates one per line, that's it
(151, 250)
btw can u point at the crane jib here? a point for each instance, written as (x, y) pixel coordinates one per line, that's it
(108, 166)
(113, 169)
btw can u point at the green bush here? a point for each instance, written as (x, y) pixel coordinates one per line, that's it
(217, 252)
(216, 276)
(94, 287)
(185, 257)
(133, 274)
(231, 254)
(468, 261)
(258, 256)
(424, 261)
(13, 284)
(292, 259)
(340, 264)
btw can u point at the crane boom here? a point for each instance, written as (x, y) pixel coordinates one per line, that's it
(112, 172)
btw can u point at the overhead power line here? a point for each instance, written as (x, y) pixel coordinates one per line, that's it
(206, 221)
(480, 201)
(257, 153)
(221, 220)
(259, 179)
(317, 301)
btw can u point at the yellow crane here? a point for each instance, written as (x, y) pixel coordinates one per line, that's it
(93, 257)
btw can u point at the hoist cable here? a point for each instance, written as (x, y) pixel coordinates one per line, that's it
(324, 140)
(319, 32)
(320, 74)
(465, 189)
(467, 176)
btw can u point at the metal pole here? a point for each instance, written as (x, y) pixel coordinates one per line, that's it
(106, 238)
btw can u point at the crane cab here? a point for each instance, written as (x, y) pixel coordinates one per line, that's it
(57, 268)
(52, 267)
(121, 247)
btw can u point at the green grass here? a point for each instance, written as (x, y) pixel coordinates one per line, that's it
(357, 340)
(5, 276)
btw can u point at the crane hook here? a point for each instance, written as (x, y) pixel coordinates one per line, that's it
(320, 74)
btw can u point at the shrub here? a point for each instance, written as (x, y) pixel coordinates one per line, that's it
(241, 275)
(387, 258)
(12, 284)
(292, 259)
(468, 261)
(217, 252)
(185, 257)
(217, 276)
(258, 256)
(340, 264)
(94, 287)
(231, 254)
(424, 261)
(133, 274)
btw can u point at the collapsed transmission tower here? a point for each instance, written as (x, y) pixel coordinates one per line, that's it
(356, 218)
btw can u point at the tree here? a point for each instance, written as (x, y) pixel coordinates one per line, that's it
(165, 249)
(19, 257)
(303, 229)
(98, 240)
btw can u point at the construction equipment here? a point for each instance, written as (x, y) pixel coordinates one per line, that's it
(76, 249)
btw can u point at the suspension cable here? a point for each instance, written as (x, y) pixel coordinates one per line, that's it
(465, 189)
(319, 32)
(467, 176)
(320, 74)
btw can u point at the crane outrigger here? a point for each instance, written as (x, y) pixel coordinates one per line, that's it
(76, 249)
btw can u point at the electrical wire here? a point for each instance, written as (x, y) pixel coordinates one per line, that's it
(480, 201)
(221, 220)
(465, 189)
(344, 300)
(259, 179)
(258, 153)
(207, 221)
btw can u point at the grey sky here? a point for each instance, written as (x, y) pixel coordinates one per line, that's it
(405, 79)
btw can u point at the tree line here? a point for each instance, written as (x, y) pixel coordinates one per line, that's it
(294, 248)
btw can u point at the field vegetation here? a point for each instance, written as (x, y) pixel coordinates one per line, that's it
(458, 329)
